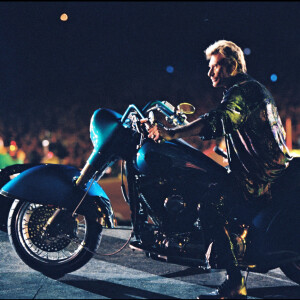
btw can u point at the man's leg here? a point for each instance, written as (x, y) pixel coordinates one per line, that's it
(234, 286)
(214, 221)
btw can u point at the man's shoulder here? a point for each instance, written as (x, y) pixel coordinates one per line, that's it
(250, 91)
(247, 87)
(247, 82)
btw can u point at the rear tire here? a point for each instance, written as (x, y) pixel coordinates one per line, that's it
(61, 251)
(292, 271)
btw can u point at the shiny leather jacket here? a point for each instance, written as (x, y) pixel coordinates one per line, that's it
(249, 120)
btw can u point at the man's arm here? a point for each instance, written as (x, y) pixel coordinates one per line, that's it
(192, 129)
(233, 111)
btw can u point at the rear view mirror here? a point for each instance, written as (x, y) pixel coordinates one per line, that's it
(186, 108)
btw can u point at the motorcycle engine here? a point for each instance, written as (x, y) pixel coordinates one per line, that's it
(178, 214)
(170, 202)
(174, 205)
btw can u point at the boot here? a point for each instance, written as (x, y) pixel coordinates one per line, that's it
(230, 289)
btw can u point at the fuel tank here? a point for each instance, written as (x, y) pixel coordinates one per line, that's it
(176, 156)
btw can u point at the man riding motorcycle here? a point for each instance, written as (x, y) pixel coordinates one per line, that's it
(255, 138)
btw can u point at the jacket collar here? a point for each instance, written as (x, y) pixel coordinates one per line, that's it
(240, 77)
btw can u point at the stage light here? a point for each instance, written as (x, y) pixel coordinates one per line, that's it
(50, 155)
(274, 77)
(64, 17)
(170, 69)
(45, 143)
(12, 148)
(247, 51)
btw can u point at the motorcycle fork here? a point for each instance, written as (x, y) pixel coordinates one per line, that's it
(51, 219)
(58, 210)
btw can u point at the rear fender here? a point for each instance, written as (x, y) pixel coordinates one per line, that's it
(52, 184)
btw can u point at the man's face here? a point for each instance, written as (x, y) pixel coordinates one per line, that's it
(217, 70)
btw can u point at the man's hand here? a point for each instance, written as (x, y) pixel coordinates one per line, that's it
(158, 131)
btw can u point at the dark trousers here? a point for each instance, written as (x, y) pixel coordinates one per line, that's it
(215, 209)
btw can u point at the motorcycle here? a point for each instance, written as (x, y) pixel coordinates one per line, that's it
(58, 212)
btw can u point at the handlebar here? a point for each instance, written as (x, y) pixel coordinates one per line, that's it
(129, 109)
(162, 106)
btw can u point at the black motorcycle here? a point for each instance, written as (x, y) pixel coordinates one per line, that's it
(58, 212)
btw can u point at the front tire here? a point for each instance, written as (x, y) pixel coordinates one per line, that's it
(292, 271)
(63, 249)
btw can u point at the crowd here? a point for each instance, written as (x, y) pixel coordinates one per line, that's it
(60, 133)
(53, 135)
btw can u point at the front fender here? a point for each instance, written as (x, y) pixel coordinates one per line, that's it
(53, 184)
(5, 203)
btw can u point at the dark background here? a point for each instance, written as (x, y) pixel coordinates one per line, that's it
(112, 54)
(108, 48)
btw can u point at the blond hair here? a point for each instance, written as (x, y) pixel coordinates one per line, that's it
(233, 54)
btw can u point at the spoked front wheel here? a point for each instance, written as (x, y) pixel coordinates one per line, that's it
(62, 248)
